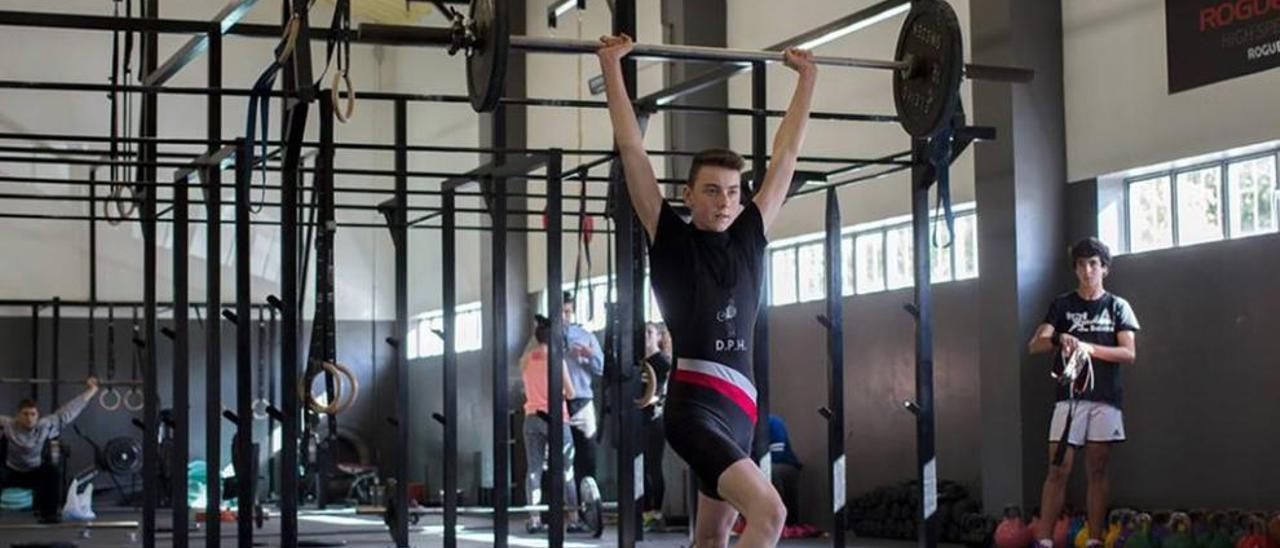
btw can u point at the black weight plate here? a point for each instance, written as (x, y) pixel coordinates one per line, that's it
(123, 455)
(487, 57)
(925, 95)
(592, 507)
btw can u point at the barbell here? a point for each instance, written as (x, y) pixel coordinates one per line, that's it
(101, 383)
(927, 67)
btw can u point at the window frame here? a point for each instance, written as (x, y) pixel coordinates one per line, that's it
(1225, 188)
(851, 234)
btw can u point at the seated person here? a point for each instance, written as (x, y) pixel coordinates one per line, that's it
(25, 437)
(537, 428)
(785, 472)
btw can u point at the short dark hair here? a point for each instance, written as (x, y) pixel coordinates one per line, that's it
(714, 157)
(567, 297)
(541, 328)
(1091, 247)
(27, 403)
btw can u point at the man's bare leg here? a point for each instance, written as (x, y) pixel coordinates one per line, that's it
(745, 487)
(1054, 493)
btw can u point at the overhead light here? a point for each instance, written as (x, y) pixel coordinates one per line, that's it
(855, 26)
(557, 9)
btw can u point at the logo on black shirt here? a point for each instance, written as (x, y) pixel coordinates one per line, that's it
(730, 342)
(1082, 323)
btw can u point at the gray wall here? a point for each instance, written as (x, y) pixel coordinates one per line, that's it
(1200, 404)
(879, 377)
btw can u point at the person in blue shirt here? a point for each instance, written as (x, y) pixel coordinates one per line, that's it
(585, 361)
(785, 472)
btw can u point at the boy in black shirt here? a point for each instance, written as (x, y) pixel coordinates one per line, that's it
(707, 276)
(1094, 323)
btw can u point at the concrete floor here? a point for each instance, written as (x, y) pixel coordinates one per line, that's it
(115, 530)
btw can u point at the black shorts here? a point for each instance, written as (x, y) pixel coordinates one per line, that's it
(708, 430)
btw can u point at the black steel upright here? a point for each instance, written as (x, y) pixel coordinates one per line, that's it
(760, 338)
(181, 364)
(93, 266)
(400, 236)
(555, 353)
(147, 214)
(501, 403)
(56, 335)
(211, 178)
(324, 337)
(35, 350)
(628, 329)
(835, 368)
(243, 448)
(449, 286)
(296, 79)
(921, 180)
(289, 342)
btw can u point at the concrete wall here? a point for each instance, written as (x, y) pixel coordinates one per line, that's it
(1119, 112)
(1197, 408)
(879, 376)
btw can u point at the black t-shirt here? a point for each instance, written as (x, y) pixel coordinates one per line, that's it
(1095, 322)
(708, 286)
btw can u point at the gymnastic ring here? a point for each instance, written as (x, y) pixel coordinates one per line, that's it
(305, 393)
(134, 404)
(342, 77)
(260, 407)
(289, 39)
(115, 404)
(650, 396)
(353, 387)
(124, 207)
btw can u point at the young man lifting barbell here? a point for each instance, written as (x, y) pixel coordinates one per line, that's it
(707, 277)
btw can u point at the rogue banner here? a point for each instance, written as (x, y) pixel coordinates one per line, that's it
(1214, 40)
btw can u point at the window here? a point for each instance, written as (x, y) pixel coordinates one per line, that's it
(1252, 191)
(940, 258)
(1150, 214)
(876, 256)
(966, 247)
(424, 337)
(1230, 198)
(782, 269)
(869, 251)
(899, 249)
(846, 269)
(1199, 205)
(812, 272)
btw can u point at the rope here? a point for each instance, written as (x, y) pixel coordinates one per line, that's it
(134, 400)
(340, 41)
(111, 399)
(940, 159)
(1077, 365)
(261, 404)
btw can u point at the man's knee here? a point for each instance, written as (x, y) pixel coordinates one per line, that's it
(769, 512)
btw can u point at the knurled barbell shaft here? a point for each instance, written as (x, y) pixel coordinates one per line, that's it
(541, 44)
(696, 53)
(21, 380)
(427, 36)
